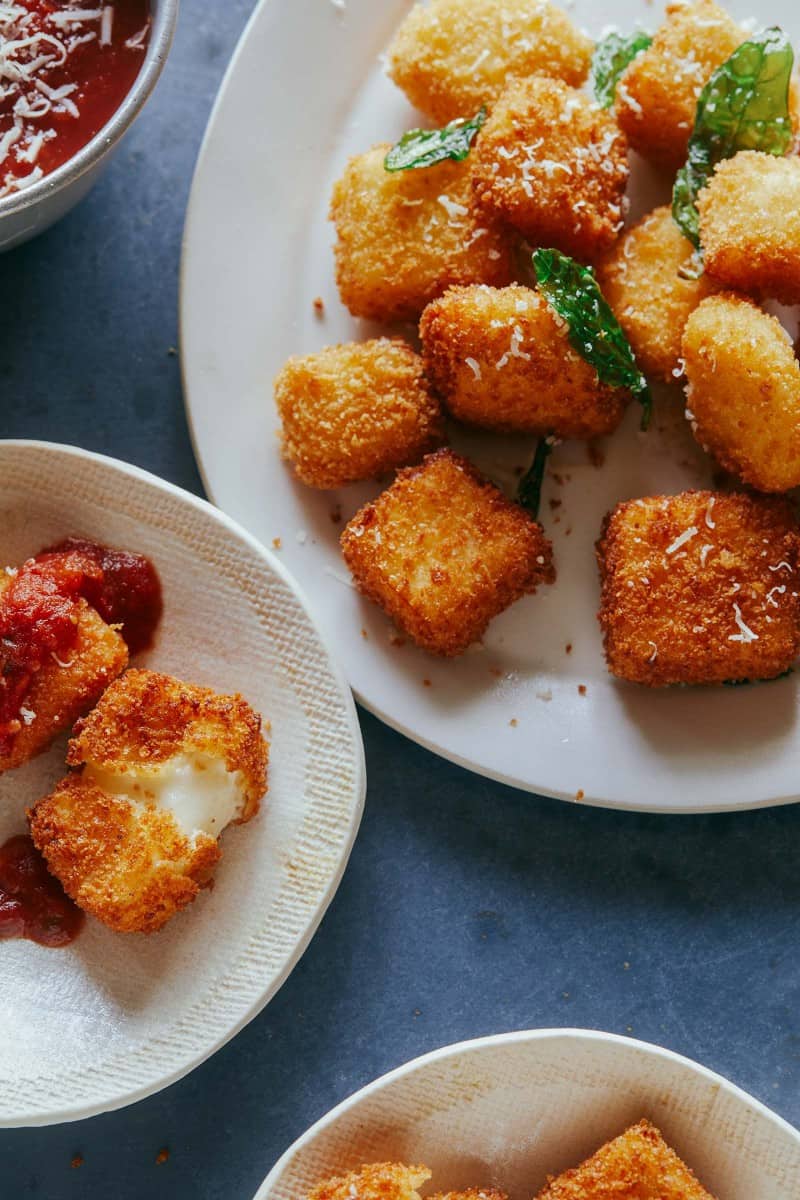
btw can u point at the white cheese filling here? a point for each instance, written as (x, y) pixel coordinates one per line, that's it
(199, 791)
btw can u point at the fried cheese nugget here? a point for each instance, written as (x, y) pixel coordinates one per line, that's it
(553, 165)
(61, 690)
(501, 360)
(743, 391)
(162, 768)
(403, 237)
(452, 56)
(699, 588)
(643, 279)
(637, 1165)
(356, 411)
(657, 96)
(374, 1181)
(750, 225)
(443, 552)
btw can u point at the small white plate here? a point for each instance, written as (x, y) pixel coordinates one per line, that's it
(114, 1018)
(507, 1111)
(305, 91)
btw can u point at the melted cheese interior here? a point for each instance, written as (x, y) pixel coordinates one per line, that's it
(199, 791)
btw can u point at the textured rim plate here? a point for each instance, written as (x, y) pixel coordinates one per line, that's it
(507, 1111)
(257, 253)
(112, 1019)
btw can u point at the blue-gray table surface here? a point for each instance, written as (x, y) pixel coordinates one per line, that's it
(467, 908)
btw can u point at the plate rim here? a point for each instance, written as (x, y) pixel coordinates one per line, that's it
(519, 1036)
(80, 1112)
(263, 11)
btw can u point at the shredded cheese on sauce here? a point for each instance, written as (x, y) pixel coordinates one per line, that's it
(32, 44)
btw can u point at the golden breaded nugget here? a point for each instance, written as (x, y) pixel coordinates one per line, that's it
(743, 391)
(553, 165)
(453, 56)
(405, 236)
(373, 1181)
(62, 689)
(500, 359)
(443, 552)
(642, 280)
(163, 768)
(750, 225)
(699, 588)
(637, 1165)
(657, 96)
(356, 412)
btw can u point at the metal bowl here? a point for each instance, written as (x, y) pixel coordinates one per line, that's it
(25, 214)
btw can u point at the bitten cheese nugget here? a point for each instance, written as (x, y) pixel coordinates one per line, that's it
(657, 95)
(452, 56)
(637, 1165)
(554, 166)
(403, 237)
(750, 225)
(501, 360)
(699, 588)
(355, 412)
(743, 391)
(374, 1181)
(644, 280)
(443, 552)
(162, 767)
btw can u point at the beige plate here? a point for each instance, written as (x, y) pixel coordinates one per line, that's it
(113, 1018)
(507, 1111)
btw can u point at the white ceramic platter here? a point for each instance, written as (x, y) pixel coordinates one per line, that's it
(507, 1111)
(113, 1018)
(305, 90)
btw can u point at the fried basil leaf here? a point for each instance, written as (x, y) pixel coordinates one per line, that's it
(426, 147)
(744, 106)
(574, 294)
(611, 56)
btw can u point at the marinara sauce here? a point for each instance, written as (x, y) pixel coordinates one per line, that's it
(65, 68)
(33, 903)
(38, 618)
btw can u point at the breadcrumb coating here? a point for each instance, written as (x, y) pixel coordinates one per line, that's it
(403, 237)
(61, 691)
(120, 856)
(471, 1194)
(373, 1181)
(743, 391)
(501, 360)
(554, 166)
(657, 96)
(356, 412)
(750, 225)
(443, 552)
(699, 588)
(453, 56)
(642, 278)
(637, 1165)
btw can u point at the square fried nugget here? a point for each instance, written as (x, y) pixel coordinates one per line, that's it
(355, 412)
(501, 360)
(452, 56)
(62, 689)
(637, 1165)
(373, 1181)
(402, 237)
(554, 165)
(699, 588)
(657, 96)
(443, 552)
(162, 767)
(643, 279)
(750, 225)
(743, 391)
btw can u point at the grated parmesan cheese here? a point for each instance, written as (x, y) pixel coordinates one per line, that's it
(745, 634)
(685, 537)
